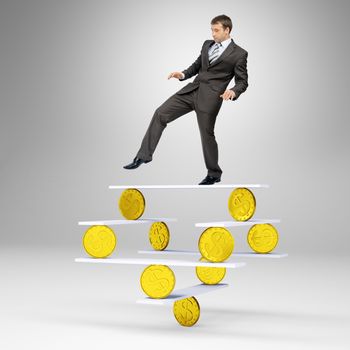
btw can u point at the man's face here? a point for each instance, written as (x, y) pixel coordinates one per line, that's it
(218, 32)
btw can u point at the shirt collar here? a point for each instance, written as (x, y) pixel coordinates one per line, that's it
(226, 43)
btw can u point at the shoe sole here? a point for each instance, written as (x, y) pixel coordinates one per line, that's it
(218, 180)
(134, 167)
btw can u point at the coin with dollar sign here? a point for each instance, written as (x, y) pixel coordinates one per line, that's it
(262, 238)
(157, 281)
(99, 241)
(241, 204)
(132, 204)
(210, 275)
(186, 311)
(159, 235)
(216, 244)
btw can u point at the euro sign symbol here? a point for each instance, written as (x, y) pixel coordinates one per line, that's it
(265, 238)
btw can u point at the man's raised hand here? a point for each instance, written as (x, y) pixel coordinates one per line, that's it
(177, 75)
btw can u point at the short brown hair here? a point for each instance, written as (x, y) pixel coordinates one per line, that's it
(224, 20)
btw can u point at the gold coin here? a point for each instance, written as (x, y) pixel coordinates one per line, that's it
(241, 204)
(99, 241)
(132, 204)
(157, 281)
(159, 235)
(187, 311)
(216, 244)
(210, 275)
(262, 238)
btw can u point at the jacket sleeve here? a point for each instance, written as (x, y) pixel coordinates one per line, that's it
(194, 68)
(241, 76)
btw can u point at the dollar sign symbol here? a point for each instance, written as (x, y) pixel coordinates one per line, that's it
(102, 238)
(186, 312)
(95, 242)
(160, 236)
(241, 204)
(217, 241)
(158, 282)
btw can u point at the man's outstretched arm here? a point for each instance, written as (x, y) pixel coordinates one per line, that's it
(192, 70)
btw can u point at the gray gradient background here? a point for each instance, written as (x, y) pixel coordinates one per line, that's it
(74, 111)
(80, 81)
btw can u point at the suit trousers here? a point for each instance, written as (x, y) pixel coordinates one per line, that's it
(174, 107)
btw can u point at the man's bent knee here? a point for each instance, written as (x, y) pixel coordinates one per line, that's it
(163, 118)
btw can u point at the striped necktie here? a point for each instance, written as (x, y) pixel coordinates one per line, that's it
(215, 53)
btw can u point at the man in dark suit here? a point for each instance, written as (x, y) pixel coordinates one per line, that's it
(220, 60)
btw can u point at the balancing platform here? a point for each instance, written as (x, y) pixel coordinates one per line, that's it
(135, 261)
(124, 222)
(194, 253)
(236, 223)
(183, 294)
(113, 187)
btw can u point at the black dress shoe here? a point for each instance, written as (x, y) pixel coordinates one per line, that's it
(135, 163)
(209, 180)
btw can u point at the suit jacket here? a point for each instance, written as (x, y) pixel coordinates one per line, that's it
(212, 80)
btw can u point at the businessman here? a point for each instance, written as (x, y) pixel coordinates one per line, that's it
(219, 61)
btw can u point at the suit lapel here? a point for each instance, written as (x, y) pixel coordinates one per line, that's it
(227, 52)
(206, 52)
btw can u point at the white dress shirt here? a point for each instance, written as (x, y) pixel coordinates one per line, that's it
(222, 48)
